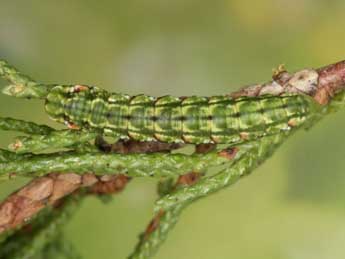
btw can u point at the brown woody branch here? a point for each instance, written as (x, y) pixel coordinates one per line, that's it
(321, 84)
(22, 205)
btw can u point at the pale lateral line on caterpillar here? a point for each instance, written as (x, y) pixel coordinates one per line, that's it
(217, 119)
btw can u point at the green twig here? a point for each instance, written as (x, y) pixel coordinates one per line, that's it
(169, 207)
(150, 242)
(7, 156)
(246, 163)
(60, 247)
(21, 85)
(24, 126)
(134, 165)
(53, 140)
(43, 137)
(165, 186)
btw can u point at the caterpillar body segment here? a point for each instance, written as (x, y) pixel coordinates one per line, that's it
(217, 119)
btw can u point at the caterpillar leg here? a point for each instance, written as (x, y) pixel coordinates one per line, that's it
(79, 88)
(72, 126)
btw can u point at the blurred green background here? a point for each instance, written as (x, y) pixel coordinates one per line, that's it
(292, 207)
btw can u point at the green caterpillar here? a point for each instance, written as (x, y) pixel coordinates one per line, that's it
(217, 119)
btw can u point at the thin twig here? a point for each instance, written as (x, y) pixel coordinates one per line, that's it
(191, 187)
(56, 139)
(21, 85)
(24, 126)
(134, 165)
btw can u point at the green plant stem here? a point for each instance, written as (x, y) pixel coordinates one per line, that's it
(44, 137)
(53, 140)
(60, 247)
(7, 156)
(21, 85)
(173, 204)
(149, 245)
(165, 185)
(133, 165)
(24, 126)
(246, 163)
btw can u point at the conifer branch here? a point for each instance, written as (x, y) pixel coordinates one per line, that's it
(88, 153)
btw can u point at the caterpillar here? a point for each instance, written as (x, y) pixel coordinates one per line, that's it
(196, 120)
